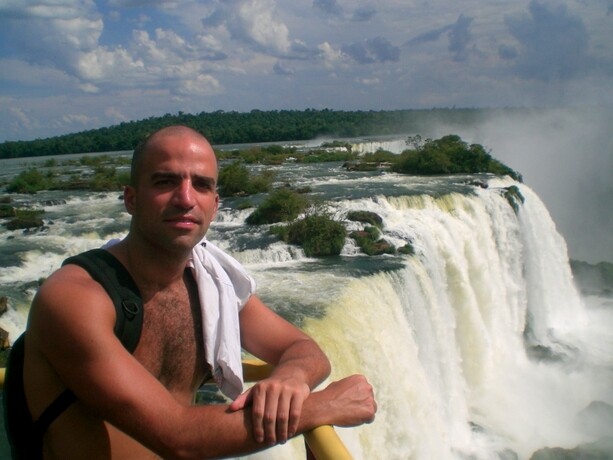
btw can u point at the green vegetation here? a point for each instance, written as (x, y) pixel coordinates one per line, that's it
(256, 126)
(318, 234)
(282, 205)
(235, 180)
(370, 242)
(30, 181)
(448, 155)
(93, 173)
(367, 217)
(514, 197)
(26, 219)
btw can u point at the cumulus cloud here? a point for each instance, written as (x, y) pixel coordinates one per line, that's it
(458, 34)
(373, 50)
(252, 22)
(553, 42)
(147, 57)
(202, 85)
(55, 30)
(329, 54)
(20, 118)
(459, 37)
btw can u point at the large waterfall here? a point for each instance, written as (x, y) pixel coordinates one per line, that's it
(478, 344)
(474, 346)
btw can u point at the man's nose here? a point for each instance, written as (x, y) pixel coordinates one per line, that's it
(184, 195)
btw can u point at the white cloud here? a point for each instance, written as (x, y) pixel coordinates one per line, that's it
(202, 85)
(114, 113)
(102, 65)
(245, 54)
(252, 22)
(553, 41)
(71, 119)
(329, 54)
(20, 118)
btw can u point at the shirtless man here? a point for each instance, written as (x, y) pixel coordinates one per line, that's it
(140, 406)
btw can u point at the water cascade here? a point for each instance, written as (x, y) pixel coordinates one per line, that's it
(478, 345)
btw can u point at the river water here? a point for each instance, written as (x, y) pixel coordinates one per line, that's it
(478, 346)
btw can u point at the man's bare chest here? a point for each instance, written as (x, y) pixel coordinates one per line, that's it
(171, 344)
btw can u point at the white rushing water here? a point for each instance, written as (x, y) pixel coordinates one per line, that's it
(442, 340)
(450, 337)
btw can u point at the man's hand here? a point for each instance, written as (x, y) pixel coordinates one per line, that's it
(276, 406)
(349, 401)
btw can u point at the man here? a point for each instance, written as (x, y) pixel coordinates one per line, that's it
(139, 406)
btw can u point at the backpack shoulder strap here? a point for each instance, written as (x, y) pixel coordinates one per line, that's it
(104, 268)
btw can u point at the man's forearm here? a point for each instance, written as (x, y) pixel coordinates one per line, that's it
(303, 359)
(214, 431)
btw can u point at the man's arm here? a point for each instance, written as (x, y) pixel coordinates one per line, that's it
(71, 325)
(300, 366)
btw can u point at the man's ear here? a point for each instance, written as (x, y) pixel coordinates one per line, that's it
(129, 199)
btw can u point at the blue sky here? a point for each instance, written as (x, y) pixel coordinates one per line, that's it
(70, 65)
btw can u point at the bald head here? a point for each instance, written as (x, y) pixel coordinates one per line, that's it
(155, 139)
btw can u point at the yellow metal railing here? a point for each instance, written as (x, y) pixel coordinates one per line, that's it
(322, 442)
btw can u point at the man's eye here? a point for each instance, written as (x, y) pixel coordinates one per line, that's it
(204, 185)
(163, 182)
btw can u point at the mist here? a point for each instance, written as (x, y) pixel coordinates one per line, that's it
(566, 156)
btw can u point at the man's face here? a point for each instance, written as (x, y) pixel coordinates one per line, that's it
(174, 198)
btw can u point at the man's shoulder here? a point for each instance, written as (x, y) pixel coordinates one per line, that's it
(70, 290)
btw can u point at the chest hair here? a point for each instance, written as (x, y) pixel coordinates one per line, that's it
(171, 345)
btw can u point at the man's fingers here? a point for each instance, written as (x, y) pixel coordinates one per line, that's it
(283, 416)
(241, 401)
(264, 413)
(294, 415)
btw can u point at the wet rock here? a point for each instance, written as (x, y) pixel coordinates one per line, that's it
(53, 202)
(366, 217)
(3, 305)
(25, 223)
(7, 211)
(596, 419)
(601, 450)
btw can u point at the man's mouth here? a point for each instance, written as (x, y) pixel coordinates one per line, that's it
(188, 220)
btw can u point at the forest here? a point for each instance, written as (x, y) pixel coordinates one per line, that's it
(222, 127)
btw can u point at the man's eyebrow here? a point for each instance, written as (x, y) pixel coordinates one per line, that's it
(208, 180)
(164, 174)
(205, 180)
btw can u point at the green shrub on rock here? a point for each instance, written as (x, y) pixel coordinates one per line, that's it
(26, 219)
(282, 205)
(514, 197)
(366, 217)
(235, 180)
(319, 235)
(370, 242)
(29, 181)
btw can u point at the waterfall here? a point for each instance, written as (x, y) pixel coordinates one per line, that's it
(478, 345)
(446, 340)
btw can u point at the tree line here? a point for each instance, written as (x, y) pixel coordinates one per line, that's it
(222, 127)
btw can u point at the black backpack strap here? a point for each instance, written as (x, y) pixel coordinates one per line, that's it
(26, 435)
(18, 421)
(104, 268)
